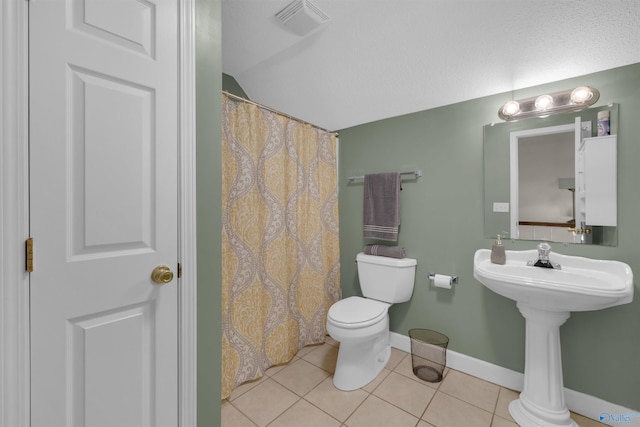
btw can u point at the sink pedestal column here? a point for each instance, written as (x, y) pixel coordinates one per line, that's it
(541, 403)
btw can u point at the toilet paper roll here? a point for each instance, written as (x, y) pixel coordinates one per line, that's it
(442, 281)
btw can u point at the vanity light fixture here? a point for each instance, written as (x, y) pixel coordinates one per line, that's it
(544, 105)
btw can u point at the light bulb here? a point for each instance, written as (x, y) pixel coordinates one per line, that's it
(543, 102)
(510, 108)
(581, 94)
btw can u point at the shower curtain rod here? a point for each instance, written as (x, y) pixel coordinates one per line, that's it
(239, 98)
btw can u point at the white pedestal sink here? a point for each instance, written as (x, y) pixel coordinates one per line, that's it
(545, 297)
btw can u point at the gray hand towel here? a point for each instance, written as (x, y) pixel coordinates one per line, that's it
(388, 251)
(382, 206)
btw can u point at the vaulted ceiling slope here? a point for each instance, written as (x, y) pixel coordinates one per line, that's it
(375, 59)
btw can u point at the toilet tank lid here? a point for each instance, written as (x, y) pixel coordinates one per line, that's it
(383, 260)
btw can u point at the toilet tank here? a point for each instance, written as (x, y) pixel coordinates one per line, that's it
(386, 279)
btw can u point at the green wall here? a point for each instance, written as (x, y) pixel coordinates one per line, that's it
(231, 85)
(208, 193)
(442, 226)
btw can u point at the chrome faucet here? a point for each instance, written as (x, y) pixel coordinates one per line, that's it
(544, 249)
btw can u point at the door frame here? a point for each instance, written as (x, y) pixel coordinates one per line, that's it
(14, 216)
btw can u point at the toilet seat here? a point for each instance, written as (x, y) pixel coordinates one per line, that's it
(357, 312)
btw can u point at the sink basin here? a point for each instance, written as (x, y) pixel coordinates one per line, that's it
(546, 297)
(582, 284)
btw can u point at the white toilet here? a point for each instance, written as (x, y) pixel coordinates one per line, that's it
(361, 325)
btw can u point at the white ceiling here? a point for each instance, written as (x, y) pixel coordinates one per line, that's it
(383, 58)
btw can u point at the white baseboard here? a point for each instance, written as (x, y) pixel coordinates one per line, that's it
(580, 403)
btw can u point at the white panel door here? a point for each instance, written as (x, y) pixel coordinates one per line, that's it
(103, 180)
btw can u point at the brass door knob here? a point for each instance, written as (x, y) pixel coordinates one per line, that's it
(161, 275)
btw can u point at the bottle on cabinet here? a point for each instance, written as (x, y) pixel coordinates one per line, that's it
(603, 123)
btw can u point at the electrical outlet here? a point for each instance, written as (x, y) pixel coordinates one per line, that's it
(500, 207)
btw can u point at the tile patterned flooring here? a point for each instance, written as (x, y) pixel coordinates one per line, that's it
(301, 393)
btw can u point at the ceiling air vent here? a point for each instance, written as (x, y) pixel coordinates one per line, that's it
(302, 17)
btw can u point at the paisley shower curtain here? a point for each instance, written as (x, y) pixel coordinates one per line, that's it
(280, 248)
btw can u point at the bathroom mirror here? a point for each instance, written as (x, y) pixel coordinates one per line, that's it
(536, 199)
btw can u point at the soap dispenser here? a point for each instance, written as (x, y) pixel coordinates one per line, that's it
(497, 252)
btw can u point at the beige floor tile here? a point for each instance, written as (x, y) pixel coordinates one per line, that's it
(332, 342)
(376, 381)
(447, 411)
(337, 403)
(405, 367)
(480, 393)
(304, 411)
(395, 398)
(377, 412)
(245, 387)
(505, 397)
(265, 402)
(308, 349)
(300, 376)
(231, 417)
(501, 422)
(396, 357)
(324, 357)
(275, 369)
(405, 393)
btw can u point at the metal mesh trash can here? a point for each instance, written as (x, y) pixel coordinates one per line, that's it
(428, 354)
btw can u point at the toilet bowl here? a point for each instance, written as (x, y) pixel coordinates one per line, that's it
(361, 324)
(362, 328)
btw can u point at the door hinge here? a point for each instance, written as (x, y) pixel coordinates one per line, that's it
(29, 254)
(179, 270)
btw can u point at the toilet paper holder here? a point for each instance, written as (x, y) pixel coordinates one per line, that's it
(454, 279)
